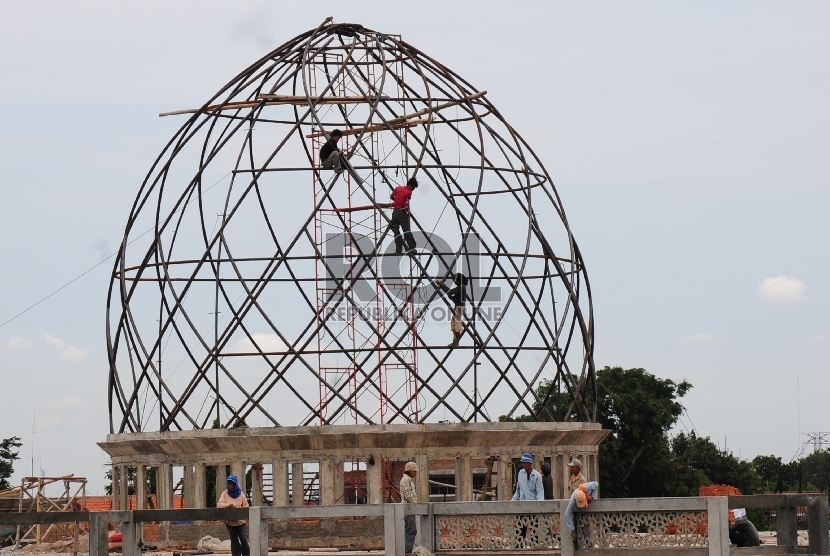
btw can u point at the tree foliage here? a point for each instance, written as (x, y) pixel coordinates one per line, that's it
(810, 473)
(8, 456)
(639, 409)
(639, 457)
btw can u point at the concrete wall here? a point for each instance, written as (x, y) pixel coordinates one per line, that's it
(328, 447)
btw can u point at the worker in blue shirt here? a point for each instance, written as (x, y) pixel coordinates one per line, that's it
(529, 484)
(580, 498)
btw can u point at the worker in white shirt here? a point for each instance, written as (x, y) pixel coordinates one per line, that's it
(409, 496)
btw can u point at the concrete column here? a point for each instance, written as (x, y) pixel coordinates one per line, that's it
(164, 486)
(786, 528)
(566, 475)
(566, 544)
(464, 479)
(817, 526)
(717, 514)
(221, 480)
(558, 471)
(297, 483)
(199, 485)
(258, 534)
(505, 472)
(129, 530)
(256, 484)
(238, 469)
(374, 482)
(426, 531)
(98, 534)
(187, 486)
(280, 483)
(141, 487)
(393, 533)
(116, 488)
(339, 483)
(422, 478)
(327, 482)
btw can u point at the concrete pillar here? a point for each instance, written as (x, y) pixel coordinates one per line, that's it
(567, 545)
(464, 479)
(817, 526)
(221, 480)
(422, 478)
(199, 485)
(786, 528)
(327, 472)
(280, 483)
(393, 532)
(256, 484)
(717, 514)
(297, 483)
(141, 487)
(339, 483)
(374, 482)
(98, 534)
(505, 471)
(187, 487)
(566, 475)
(116, 488)
(559, 471)
(258, 534)
(129, 530)
(164, 486)
(238, 469)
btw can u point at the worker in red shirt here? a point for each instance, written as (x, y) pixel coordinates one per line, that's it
(400, 217)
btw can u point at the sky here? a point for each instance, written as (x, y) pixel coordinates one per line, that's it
(689, 143)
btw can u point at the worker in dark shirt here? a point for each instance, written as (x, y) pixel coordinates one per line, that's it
(457, 297)
(400, 217)
(547, 481)
(330, 154)
(743, 533)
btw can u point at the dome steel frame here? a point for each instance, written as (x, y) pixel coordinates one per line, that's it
(401, 111)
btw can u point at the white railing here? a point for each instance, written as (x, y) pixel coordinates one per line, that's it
(650, 526)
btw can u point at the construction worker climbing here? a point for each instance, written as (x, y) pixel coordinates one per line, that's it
(400, 217)
(330, 154)
(458, 297)
(333, 158)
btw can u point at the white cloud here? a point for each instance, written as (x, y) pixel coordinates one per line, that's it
(782, 289)
(268, 343)
(18, 343)
(701, 339)
(67, 403)
(70, 353)
(46, 421)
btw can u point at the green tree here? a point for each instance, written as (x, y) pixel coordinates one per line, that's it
(8, 456)
(776, 476)
(768, 469)
(639, 409)
(816, 471)
(700, 462)
(131, 473)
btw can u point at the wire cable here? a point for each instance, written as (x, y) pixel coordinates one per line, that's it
(30, 307)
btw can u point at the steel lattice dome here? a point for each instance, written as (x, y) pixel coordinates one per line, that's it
(254, 288)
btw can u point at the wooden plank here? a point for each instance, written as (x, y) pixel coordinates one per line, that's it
(406, 120)
(43, 518)
(190, 514)
(766, 501)
(301, 100)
